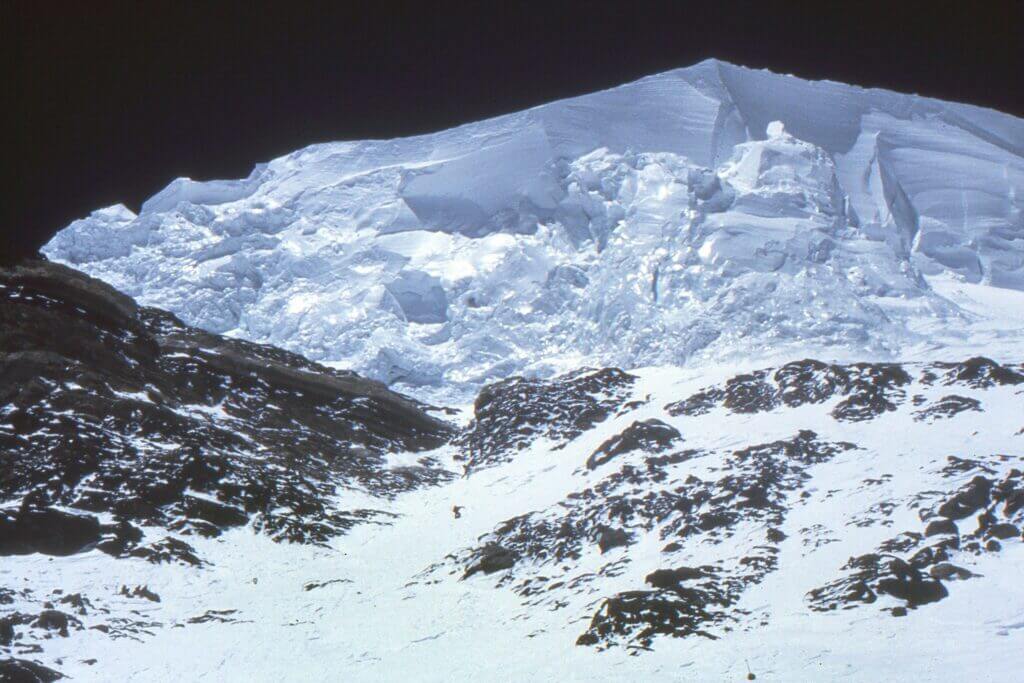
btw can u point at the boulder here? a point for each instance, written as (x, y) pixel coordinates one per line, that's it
(491, 558)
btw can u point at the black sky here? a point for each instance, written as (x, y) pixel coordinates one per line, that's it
(111, 101)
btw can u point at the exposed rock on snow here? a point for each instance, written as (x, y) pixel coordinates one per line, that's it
(650, 435)
(869, 389)
(23, 671)
(752, 524)
(906, 579)
(509, 415)
(162, 485)
(126, 413)
(740, 499)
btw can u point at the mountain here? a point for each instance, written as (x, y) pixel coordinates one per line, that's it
(124, 432)
(697, 215)
(712, 376)
(167, 490)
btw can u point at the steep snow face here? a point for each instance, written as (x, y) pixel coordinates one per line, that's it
(707, 212)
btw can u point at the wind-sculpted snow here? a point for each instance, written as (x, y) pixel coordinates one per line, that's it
(697, 215)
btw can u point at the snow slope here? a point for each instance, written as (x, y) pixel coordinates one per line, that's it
(401, 601)
(706, 213)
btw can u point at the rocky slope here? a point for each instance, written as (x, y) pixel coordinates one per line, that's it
(168, 489)
(123, 431)
(732, 368)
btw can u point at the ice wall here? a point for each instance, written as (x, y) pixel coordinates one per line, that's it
(659, 221)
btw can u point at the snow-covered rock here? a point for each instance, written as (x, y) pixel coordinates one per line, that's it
(111, 410)
(705, 213)
(164, 490)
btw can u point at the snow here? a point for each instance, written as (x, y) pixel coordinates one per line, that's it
(390, 613)
(699, 215)
(690, 226)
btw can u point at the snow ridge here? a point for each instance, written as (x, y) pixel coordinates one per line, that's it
(667, 220)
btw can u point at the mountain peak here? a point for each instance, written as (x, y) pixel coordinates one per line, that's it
(631, 226)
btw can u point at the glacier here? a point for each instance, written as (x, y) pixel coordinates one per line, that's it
(796, 450)
(707, 214)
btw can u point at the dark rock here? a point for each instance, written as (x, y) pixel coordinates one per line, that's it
(717, 519)
(968, 500)
(119, 538)
(946, 571)
(76, 601)
(511, 414)
(1010, 492)
(219, 515)
(941, 526)
(491, 558)
(993, 546)
(637, 617)
(650, 435)
(140, 592)
(608, 538)
(753, 488)
(872, 574)
(874, 389)
(7, 624)
(700, 403)
(47, 531)
(869, 389)
(956, 466)
(311, 585)
(126, 411)
(901, 543)
(24, 671)
(169, 550)
(907, 583)
(750, 394)
(54, 620)
(670, 579)
(1002, 531)
(985, 520)
(217, 616)
(978, 373)
(946, 407)
(937, 552)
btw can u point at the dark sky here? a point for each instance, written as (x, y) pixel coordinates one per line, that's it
(112, 101)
